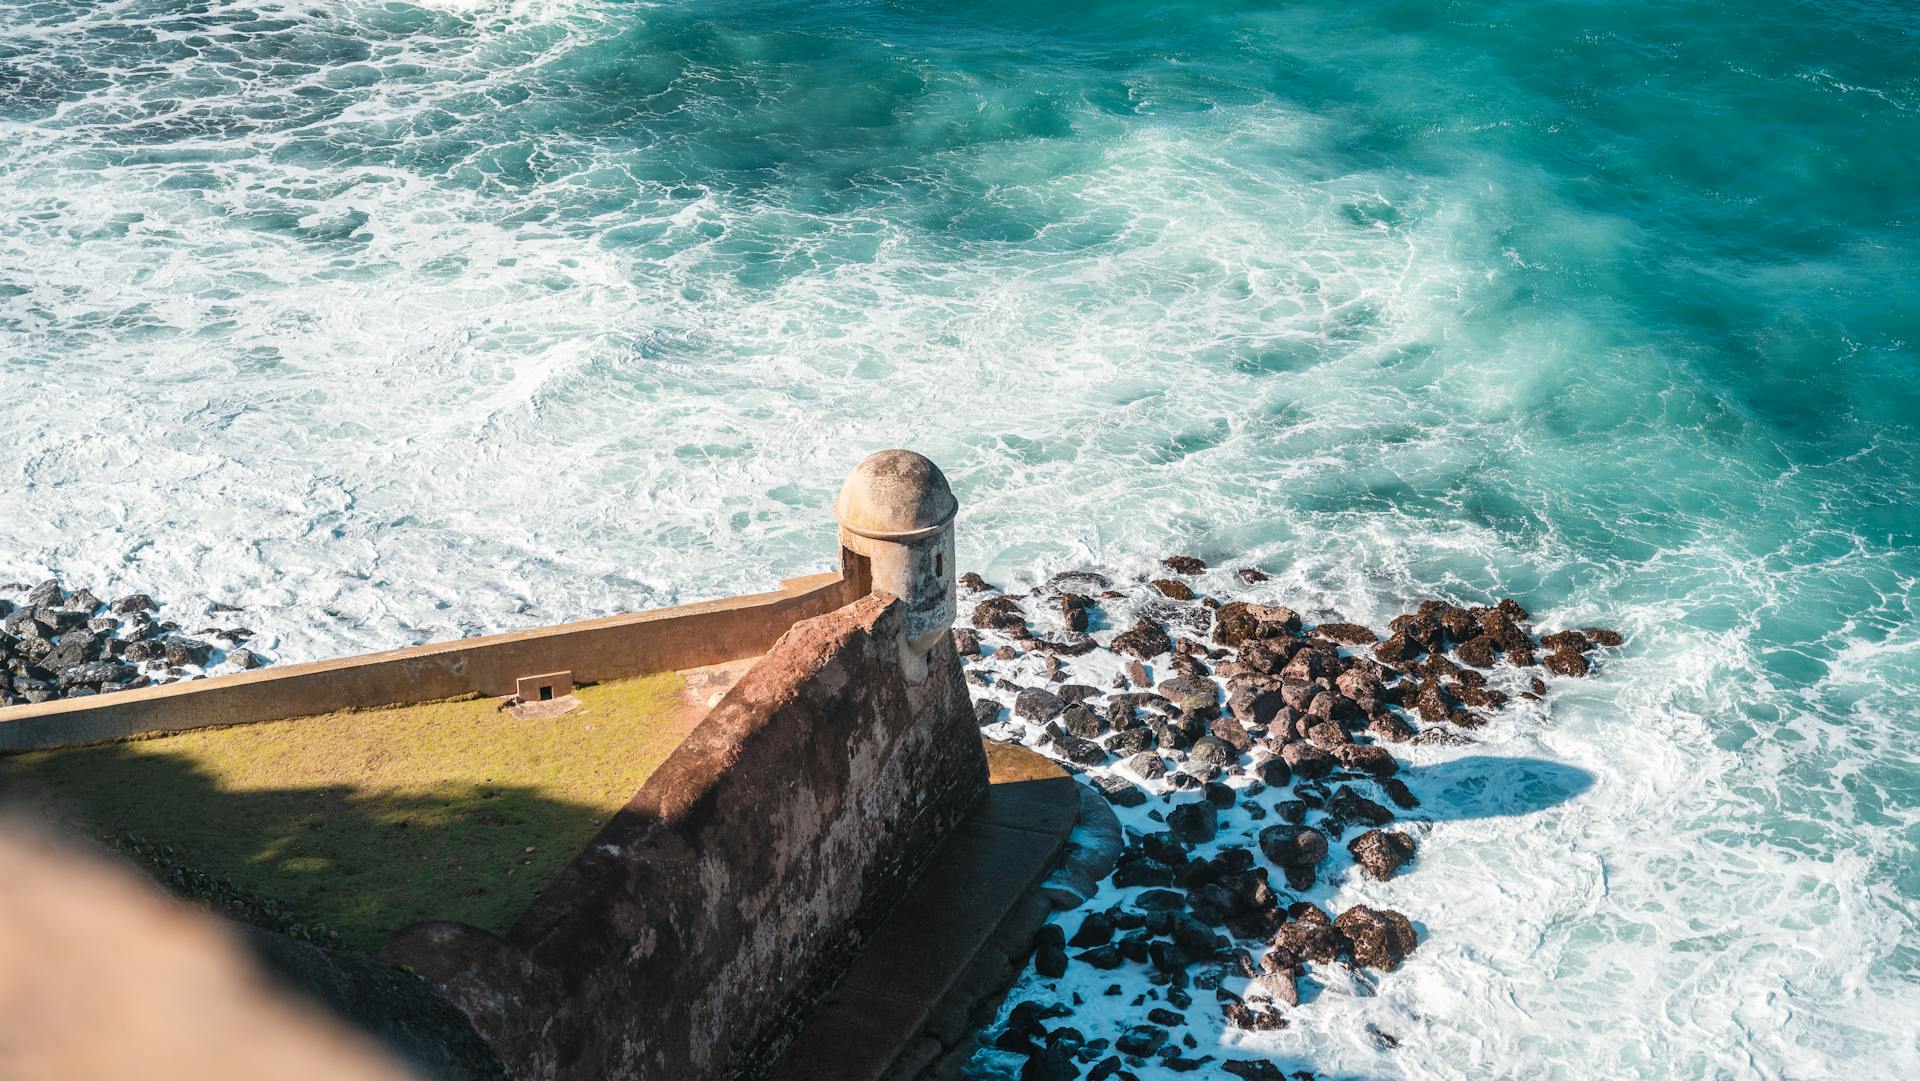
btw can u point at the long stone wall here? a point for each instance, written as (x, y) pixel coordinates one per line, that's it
(696, 929)
(611, 647)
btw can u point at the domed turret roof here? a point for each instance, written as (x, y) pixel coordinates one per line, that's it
(895, 495)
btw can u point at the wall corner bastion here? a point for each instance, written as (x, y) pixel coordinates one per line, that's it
(816, 789)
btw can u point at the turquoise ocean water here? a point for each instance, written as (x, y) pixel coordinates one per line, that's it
(398, 321)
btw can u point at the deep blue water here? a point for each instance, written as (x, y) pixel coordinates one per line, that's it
(397, 321)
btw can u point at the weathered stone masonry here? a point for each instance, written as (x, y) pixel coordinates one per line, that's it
(727, 895)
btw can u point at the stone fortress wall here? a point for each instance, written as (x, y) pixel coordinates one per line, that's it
(692, 935)
(594, 650)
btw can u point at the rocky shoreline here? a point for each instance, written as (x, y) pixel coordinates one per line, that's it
(60, 643)
(1200, 716)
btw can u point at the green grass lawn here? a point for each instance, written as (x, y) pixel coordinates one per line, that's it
(369, 820)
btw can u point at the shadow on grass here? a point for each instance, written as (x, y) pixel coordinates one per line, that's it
(363, 864)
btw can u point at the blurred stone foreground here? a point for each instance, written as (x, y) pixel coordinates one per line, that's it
(103, 976)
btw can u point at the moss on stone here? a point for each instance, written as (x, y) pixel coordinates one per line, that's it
(366, 821)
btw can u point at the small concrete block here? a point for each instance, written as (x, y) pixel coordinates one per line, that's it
(543, 688)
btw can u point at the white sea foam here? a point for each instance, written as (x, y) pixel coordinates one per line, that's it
(367, 347)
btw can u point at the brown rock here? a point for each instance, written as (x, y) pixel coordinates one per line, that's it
(1255, 1019)
(1380, 938)
(1566, 642)
(1381, 852)
(1373, 761)
(1169, 587)
(1184, 564)
(1327, 736)
(999, 613)
(1230, 732)
(1389, 727)
(1145, 641)
(1352, 634)
(1567, 663)
(1239, 620)
(1307, 761)
(1512, 610)
(973, 583)
(1348, 806)
(1397, 649)
(1267, 656)
(1480, 651)
(1074, 609)
(1252, 576)
(1293, 846)
(1310, 936)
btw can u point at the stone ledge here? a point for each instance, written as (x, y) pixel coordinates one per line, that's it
(909, 1005)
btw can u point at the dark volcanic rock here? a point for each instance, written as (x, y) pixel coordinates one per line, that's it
(1230, 732)
(1238, 621)
(1480, 652)
(1310, 935)
(1399, 793)
(183, 651)
(1267, 656)
(1258, 1019)
(1145, 641)
(1131, 741)
(1352, 634)
(1566, 663)
(1075, 609)
(1095, 930)
(1083, 752)
(1252, 576)
(1397, 649)
(1050, 961)
(47, 594)
(1173, 588)
(76, 647)
(1119, 791)
(1380, 938)
(1213, 752)
(1149, 767)
(1293, 846)
(1381, 852)
(1083, 722)
(1389, 727)
(1190, 693)
(999, 613)
(1036, 705)
(1193, 823)
(1307, 760)
(95, 673)
(1184, 565)
(1375, 761)
(1350, 807)
(969, 581)
(134, 602)
(1255, 706)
